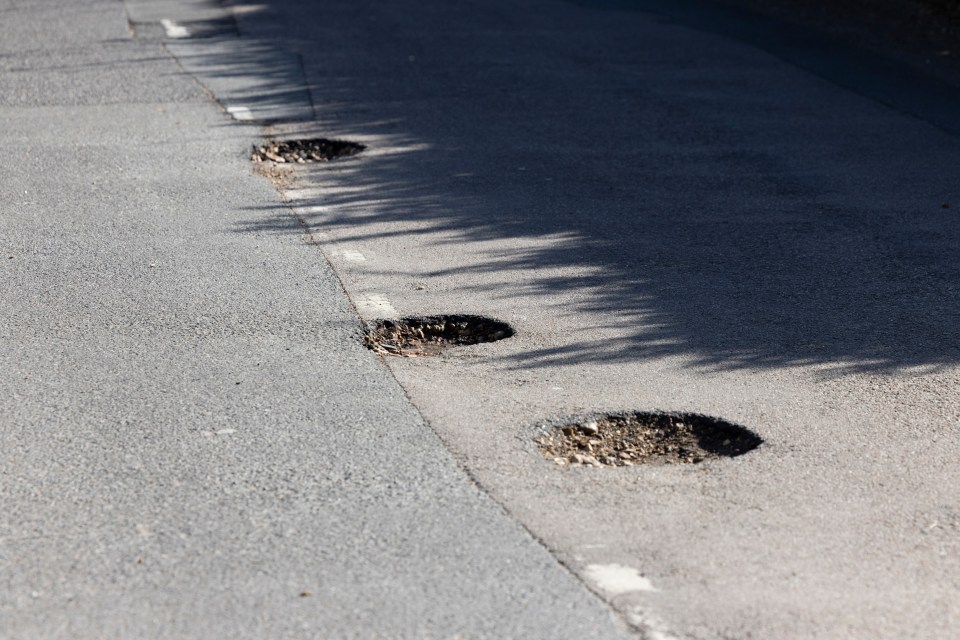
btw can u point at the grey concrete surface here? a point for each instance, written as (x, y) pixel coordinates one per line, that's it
(672, 216)
(193, 442)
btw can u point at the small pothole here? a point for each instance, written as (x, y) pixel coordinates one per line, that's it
(304, 151)
(623, 440)
(424, 336)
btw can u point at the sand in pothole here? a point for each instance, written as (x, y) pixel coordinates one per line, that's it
(622, 440)
(412, 337)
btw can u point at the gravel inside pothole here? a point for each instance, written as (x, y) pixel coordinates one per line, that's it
(424, 336)
(645, 438)
(303, 151)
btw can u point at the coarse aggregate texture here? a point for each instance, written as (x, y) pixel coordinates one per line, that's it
(649, 438)
(677, 210)
(194, 442)
(301, 151)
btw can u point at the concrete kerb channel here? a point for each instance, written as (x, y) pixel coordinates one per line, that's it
(210, 48)
(628, 437)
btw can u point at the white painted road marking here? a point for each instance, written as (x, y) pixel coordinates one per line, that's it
(240, 113)
(174, 30)
(352, 256)
(375, 305)
(616, 578)
(653, 628)
(301, 194)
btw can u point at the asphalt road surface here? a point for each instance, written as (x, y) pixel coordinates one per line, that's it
(676, 207)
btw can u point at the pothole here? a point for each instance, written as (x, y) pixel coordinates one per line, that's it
(304, 151)
(623, 440)
(424, 336)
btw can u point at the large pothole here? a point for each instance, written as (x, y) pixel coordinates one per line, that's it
(305, 151)
(429, 335)
(627, 439)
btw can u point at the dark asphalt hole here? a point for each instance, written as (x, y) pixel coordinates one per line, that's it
(623, 440)
(429, 335)
(303, 151)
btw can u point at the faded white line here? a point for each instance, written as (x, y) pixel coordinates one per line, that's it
(374, 305)
(240, 113)
(616, 578)
(301, 194)
(352, 256)
(653, 628)
(174, 30)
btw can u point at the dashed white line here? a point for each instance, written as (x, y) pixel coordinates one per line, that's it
(653, 628)
(300, 194)
(352, 256)
(174, 30)
(240, 113)
(616, 578)
(374, 305)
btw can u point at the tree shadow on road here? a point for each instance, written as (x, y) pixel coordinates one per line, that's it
(712, 204)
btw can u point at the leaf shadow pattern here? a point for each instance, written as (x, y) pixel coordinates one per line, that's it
(713, 203)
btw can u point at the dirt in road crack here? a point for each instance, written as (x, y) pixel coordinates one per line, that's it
(622, 440)
(424, 336)
(305, 151)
